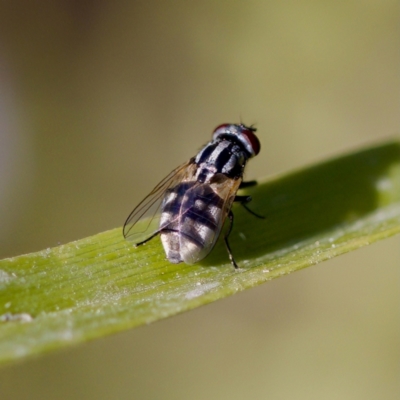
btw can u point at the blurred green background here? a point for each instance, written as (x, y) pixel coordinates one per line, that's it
(99, 100)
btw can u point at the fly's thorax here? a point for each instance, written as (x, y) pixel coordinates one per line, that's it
(220, 156)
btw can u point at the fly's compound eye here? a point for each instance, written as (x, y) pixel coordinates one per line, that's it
(221, 129)
(249, 139)
(243, 134)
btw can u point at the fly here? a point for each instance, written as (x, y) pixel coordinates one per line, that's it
(189, 206)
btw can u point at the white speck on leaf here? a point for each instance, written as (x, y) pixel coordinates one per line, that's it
(201, 289)
(22, 317)
(5, 277)
(384, 184)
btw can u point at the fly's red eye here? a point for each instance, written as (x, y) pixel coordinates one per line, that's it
(252, 139)
(221, 127)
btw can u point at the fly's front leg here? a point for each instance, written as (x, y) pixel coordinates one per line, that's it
(228, 248)
(243, 200)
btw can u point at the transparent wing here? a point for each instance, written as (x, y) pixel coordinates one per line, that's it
(143, 221)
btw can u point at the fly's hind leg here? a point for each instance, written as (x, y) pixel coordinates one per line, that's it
(228, 248)
(148, 239)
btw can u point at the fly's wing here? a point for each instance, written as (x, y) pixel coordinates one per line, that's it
(143, 221)
(202, 216)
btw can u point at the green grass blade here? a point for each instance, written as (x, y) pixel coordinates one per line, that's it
(101, 285)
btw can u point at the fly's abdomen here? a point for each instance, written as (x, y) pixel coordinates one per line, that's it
(191, 221)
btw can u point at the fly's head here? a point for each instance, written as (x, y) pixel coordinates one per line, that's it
(243, 135)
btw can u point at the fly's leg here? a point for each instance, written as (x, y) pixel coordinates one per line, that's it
(154, 235)
(243, 200)
(148, 239)
(247, 184)
(228, 248)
